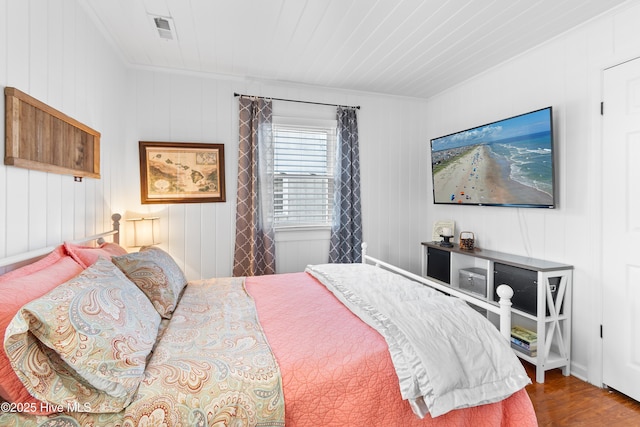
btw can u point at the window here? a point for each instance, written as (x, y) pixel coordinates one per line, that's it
(304, 161)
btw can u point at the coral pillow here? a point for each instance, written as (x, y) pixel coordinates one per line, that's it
(86, 342)
(87, 255)
(17, 288)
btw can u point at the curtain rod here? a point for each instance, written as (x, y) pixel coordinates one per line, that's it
(357, 107)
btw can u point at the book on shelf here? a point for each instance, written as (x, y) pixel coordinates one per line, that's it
(523, 344)
(524, 335)
(528, 352)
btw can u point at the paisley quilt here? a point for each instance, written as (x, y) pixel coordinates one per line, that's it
(212, 366)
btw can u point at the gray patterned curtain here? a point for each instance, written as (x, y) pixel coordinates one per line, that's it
(255, 250)
(346, 233)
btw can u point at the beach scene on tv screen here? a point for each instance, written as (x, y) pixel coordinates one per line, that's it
(509, 162)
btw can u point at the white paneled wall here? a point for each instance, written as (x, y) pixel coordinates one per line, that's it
(51, 51)
(296, 249)
(195, 108)
(185, 108)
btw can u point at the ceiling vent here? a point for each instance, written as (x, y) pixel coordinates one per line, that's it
(165, 27)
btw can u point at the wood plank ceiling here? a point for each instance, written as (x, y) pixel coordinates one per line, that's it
(402, 47)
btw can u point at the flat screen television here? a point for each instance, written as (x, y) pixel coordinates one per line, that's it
(504, 163)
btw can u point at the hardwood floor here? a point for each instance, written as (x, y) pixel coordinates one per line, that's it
(569, 401)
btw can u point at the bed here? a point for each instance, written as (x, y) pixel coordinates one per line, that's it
(301, 349)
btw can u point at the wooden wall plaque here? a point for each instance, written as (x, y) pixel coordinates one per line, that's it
(42, 138)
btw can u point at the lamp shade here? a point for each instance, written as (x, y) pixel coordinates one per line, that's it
(143, 231)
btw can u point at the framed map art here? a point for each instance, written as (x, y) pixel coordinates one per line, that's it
(181, 172)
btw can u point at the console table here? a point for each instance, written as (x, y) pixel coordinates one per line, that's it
(541, 301)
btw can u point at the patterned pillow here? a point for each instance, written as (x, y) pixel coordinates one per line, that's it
(17, 288)
(84, 343)
(156, 274)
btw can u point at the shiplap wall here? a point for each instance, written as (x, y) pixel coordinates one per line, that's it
(195, 108)
(51, 50)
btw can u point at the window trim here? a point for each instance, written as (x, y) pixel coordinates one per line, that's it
(309, 123)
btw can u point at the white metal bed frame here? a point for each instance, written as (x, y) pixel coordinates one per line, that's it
(38, 253)
(503, 309)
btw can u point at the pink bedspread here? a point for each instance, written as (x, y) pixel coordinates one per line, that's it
(337, 371)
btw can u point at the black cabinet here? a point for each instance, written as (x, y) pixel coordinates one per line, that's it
(438, 264)
(525, 287)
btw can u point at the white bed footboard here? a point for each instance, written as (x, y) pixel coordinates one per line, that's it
(503, 309)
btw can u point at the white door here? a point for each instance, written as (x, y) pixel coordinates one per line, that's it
(621, 228)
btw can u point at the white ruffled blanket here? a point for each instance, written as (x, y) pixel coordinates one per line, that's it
(446, 355)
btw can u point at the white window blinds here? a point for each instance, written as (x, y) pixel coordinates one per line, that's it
(304, 161)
